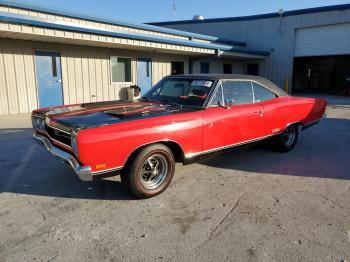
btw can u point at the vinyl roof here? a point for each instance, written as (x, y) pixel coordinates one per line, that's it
(259, 79)
(256, 17)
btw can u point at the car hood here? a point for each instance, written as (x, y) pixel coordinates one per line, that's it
(89, 115)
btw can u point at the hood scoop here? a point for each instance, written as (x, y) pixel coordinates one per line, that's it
(127, 112)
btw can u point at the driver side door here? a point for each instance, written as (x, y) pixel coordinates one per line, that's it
(232, 116)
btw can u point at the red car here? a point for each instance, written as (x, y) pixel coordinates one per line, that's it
(180, 119)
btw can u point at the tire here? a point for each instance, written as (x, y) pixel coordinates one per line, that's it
(287, 140)
(150, 171)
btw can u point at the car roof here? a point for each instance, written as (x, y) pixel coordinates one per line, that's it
(263, 81)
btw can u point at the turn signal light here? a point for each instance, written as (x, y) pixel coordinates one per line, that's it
(100, 166)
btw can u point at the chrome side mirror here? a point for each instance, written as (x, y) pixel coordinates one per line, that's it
(229, 102)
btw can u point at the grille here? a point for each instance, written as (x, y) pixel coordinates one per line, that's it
(58, 135)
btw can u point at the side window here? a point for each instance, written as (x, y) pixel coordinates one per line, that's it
(217, 97)
(238, 93)
(262, 94)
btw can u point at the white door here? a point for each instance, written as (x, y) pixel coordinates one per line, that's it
(323, 40)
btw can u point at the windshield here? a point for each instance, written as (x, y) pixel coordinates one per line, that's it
(181, 91)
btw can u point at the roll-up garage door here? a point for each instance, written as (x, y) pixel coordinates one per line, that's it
(323, 40)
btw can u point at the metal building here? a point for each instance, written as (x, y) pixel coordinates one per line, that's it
(51, 57)
(309, 48)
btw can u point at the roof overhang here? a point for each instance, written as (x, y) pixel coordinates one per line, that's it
(74, 27)
(244, 54)
(27, 27)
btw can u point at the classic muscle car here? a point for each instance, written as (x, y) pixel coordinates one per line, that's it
(180, 119)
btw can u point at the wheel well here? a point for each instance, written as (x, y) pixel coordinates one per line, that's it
(175, 148)
(296, 124)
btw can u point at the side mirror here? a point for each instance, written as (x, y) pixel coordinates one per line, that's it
(229, 102)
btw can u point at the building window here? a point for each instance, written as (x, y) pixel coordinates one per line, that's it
(253, 69)
(227, 69)
(204, 67)
(177, 68)
(121, 69)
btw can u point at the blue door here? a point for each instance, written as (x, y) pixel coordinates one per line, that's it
(48, 75)
(144, 74)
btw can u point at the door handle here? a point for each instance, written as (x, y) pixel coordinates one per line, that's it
(259, 112)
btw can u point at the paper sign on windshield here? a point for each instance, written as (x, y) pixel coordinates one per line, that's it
(202, 83)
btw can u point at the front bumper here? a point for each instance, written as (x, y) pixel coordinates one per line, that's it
(83, 172)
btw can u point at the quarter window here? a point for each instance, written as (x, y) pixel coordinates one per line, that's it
(121, 69)
(238, 93)
(262, 94)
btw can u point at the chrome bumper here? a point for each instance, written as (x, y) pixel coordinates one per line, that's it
(83, 172)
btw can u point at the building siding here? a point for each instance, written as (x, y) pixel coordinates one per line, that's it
(9, 30)
(86, 73)
(265, 34)
(90, 23)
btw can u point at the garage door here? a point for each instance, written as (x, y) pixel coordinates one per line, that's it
(323, 40)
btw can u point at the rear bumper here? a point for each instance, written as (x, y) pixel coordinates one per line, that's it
(83, 172)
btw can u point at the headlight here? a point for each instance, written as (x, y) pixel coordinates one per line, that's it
(74, 143)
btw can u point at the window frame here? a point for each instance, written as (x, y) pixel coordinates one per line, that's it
(171, 67)
(131, 69)
(219, 85)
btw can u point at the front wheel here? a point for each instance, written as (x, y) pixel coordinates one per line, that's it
(150, 171)
(288, 139)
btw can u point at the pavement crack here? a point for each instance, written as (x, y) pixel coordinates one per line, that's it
(222, 220)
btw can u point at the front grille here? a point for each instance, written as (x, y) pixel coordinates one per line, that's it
(58, 135)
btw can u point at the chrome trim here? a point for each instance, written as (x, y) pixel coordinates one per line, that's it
(107, 170)
(56, 141)
(57, 129)
(190, 155)
(83, 172)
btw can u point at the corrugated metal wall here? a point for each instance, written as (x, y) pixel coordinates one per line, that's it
(269, 34)
(85, 73)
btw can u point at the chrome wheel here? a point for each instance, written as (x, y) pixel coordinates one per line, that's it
(289, 135)
(154, 171)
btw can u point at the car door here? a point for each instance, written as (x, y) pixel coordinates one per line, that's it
(231, 117)
(274, 110)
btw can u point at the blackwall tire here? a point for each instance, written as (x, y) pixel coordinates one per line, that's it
(288, 139)
(150, 171)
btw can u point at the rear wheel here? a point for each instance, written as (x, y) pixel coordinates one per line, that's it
(150, 171)
(288, 139)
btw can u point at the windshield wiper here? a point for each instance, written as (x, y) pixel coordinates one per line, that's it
(168, 101)
(147, 99)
